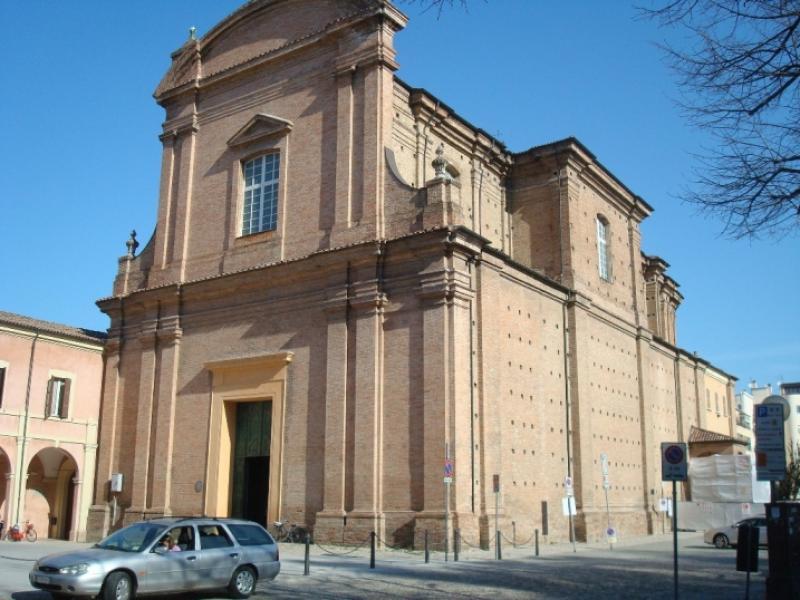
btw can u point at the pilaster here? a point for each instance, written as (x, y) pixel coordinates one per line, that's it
(144, 419)
(330, 522)
(367, 313)
(651, 480)
(168, 335)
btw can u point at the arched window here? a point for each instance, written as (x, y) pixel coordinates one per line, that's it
(603, 256)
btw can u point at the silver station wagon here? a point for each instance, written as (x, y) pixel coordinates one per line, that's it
(164, 556)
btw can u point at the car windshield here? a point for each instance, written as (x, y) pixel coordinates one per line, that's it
(131, 539)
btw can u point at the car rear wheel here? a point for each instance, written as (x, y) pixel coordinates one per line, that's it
(721, 540)
(118, 586)
(242, 583)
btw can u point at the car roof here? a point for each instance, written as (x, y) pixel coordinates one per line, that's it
(199, 521)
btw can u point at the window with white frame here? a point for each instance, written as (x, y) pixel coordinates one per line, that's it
(57, 403)
(603, 258)
(260, 205)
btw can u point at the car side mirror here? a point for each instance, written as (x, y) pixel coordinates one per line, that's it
(160, 549)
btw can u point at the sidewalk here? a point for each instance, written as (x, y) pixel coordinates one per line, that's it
(31, 551)
(470, 553)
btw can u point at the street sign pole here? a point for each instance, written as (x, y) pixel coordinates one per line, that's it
(675, 533)
(570, 503)
(674, 468)
(497, 516)
(448, 477)
(606, 485)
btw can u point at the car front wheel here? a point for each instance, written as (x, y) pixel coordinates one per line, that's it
(721, 540)
(243, 582)
(118, 586)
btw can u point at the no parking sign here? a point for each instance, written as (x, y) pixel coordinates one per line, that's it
(673, 461)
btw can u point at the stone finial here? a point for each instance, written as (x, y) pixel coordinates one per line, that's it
(132, 244)
(192, 33)
(440, 164)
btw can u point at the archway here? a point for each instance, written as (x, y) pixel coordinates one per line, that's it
(50, 492)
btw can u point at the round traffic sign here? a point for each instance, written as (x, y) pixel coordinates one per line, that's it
(674, 455)
(780, 400)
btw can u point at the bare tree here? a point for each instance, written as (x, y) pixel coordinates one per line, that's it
(438, 5)
(789, 488)
(739, 77)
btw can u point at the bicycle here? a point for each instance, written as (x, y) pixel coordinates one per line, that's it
(17, 533)
(294, 535)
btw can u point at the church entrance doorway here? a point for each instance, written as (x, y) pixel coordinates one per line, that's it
(251, 461)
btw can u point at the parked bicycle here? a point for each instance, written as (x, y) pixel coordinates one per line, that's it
(26, 532)
(296, 534)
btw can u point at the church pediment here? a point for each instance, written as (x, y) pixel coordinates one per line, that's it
(261, 127)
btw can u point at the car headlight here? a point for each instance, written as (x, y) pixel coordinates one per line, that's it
(77, 569)
(36, 566)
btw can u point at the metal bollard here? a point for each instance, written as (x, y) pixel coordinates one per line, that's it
(307, 563)
(427, 553)
(499, 547)
(371, 549)
(536, 537)
(456, 544)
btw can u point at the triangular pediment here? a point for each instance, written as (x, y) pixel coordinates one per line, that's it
(260, 127)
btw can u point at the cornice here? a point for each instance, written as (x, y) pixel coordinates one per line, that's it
(277, 359)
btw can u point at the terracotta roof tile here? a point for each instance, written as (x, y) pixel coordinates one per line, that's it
(15, 320)
(699, 436)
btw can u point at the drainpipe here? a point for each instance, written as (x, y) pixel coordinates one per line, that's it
(472, 328)
(568, 407)
(25, 419)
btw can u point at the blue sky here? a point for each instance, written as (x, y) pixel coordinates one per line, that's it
(81, 155)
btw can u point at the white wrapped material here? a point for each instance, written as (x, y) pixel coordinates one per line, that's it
(726, 478)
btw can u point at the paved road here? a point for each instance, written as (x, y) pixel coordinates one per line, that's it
(639, 568)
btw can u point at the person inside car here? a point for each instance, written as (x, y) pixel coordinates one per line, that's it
(168, 543)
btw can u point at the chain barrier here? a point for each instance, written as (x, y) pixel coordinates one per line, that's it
(517, 545)
(393, 547)
(331, 552)
(464, 541)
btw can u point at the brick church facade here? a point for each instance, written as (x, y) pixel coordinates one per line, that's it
(348, 280)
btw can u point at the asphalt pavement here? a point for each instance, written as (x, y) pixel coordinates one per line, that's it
(635, 568)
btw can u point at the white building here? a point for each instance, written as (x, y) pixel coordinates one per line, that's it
(744, 418)
(791, 391)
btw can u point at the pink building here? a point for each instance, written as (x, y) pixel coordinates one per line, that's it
(50, 384)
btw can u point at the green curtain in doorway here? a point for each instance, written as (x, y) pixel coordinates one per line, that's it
(253, 427)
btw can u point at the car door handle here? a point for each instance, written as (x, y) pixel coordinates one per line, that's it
(191, 558)
(234, 555)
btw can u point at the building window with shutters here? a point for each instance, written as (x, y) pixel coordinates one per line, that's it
(603, 255)
(57, 404)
